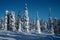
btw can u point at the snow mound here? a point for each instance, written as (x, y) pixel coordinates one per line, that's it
(6, 38)
(10, 35)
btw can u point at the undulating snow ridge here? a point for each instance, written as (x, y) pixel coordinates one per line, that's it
(6, 38)
(9, 35)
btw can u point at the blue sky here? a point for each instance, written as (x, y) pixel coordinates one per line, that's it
(42, 6)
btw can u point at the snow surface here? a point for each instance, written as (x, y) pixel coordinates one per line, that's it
(9, 35)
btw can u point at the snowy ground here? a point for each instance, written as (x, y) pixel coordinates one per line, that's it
(8, 35)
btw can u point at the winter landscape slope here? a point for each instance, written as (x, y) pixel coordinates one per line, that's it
(9, 35)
